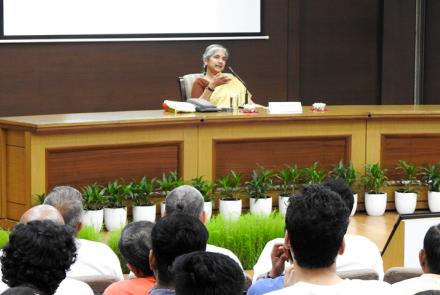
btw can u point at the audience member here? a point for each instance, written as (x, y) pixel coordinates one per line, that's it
(316, 224)
(135, 246)
(188, 200)
(360, 252)
(429, 258)
(22, 290)
(94, 258)
(38, 253)
(205, 273)
(43, 212)
(173, 236)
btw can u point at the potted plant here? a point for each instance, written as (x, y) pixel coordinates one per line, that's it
(261, 180)
(314, 174)
(374, 179)
(143, 208)
(405, 198)
(431, 178)
(115, 212)
(40, 198)
(350, 175)
(230, 203)
(289, 178)
(168, 182)
(205, 188)
(93, 203)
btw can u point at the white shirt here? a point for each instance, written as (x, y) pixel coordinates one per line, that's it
(427, 281)
(347, 287)
(360, 253)
(67, 287)
(224, 251)
(94, 259)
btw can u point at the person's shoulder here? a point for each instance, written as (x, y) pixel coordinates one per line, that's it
(264, 286)
(224, 251)
(94, 246)
(71, 286)
(369, 285)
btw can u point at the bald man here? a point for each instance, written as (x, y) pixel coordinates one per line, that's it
(46, 212)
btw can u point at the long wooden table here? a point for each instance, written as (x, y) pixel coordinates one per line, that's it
(39, 152)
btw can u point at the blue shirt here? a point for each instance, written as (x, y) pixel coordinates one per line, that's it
(264, 286)
(162, 292)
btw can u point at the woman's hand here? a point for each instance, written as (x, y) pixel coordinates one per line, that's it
(219, 79)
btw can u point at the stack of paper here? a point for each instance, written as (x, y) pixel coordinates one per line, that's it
(289, 107)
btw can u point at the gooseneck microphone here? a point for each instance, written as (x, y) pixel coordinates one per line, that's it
(241, 80)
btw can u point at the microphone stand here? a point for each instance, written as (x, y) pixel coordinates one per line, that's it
(244, 84)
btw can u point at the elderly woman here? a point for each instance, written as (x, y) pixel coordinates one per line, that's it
(215, 86)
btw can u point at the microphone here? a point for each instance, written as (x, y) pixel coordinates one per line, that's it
(241, 80)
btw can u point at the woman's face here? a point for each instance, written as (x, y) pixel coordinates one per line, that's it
(217, 62)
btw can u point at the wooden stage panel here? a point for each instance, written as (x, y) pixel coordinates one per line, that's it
(245, 155)
(420, 149)
(85, 165)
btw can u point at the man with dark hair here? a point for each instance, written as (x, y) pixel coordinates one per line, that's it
(204, 273)
(429, 258)
(316, 224)
(173, 236)
(38, 253)
(135, 245)
(360, 252)
(94, 258)
(188, 200)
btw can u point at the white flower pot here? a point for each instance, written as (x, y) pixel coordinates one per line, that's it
(115, 218)
(375, 204)
(146, 213)
(355, 204)
(162, 209)
(283, 202)
(434, 201)
(230, 210)
(207, 207)
(405, 202)
(93, 218)
(261, 207)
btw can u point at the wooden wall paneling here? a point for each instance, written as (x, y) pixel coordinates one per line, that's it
(86, 165)
(399, 22)
(3, 161)
(294, 52)
(245, 155)
(432, 47)
(340, 51)
(112, 76)
(16, 179)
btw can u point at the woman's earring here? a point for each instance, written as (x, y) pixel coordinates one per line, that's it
(204, 69)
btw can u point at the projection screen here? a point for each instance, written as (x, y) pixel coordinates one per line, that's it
(52, 19)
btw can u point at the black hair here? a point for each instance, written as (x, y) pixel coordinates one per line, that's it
(135, 245)
(206, 273)
(22, 290)
(342, 188)
(431, 245)
(316, 223)
(173, 236)
(38, 253)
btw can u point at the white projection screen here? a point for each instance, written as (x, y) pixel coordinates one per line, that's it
(24, 19)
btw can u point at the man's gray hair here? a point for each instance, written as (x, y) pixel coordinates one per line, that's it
(184, 199)
(68, 201)
(211, 50)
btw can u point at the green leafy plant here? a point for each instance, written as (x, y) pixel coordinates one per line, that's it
(89, 233)
(142, 191)
(93, 196)
(409, 172)
(169, 182)
(374, 178)
(40, 198)
(289, 178)
(314, 174)
(347, 173)
(4, 237)
(117, 193)
(230, 185)
(261, 181)
(205, 187)
(247, 236)
(431, 177)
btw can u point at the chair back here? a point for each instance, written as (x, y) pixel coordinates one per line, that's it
(397, 274)
(98, 283)
(186, 83)
(359, 274)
